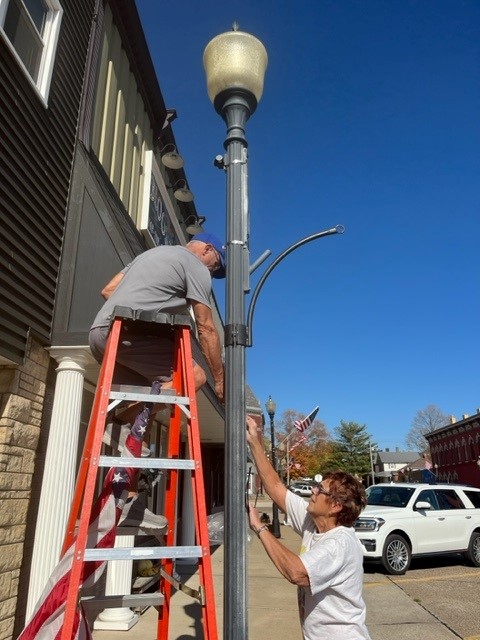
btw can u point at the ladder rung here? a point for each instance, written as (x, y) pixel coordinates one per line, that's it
(149, 397)
(143, 553)
(146, 463)
(128, 600)
(135, 388)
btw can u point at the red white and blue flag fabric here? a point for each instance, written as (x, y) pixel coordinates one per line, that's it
(427, 473)
(301, 425)
(47, 619)
(300, 440)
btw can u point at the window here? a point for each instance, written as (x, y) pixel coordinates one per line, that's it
(474, 497)
(428, 496)
(448, 499)
(389, 495)
(30, 28)
(122, 134)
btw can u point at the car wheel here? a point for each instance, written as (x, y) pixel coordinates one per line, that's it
(473, 553)
(396, 555)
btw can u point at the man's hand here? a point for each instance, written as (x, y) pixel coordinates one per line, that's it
(253, 431)
(219, 390)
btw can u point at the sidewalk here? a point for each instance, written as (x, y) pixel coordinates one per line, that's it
(272, 604)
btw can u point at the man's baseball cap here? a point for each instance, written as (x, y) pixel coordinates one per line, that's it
(209, 238)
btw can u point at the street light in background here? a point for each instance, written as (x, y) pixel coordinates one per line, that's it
(371, 449)
(235, 64)
(270, 406)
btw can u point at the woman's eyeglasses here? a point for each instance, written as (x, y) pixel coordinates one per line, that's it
(319, 489)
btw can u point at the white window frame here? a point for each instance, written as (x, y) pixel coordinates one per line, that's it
(152, 171)
(50, 39)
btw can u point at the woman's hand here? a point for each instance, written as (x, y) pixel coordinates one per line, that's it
(253, 431)
(254, 517)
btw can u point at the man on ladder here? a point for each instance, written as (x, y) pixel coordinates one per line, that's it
(166, 279)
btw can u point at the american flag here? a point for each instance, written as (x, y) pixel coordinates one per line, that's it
(47, 619)
(301, 425)
(298, 442)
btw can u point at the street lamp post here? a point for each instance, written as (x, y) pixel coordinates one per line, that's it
(372, 469)
(235, 64)
(288, 462)
(270, 406)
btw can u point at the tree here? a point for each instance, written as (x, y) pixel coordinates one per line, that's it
(424, 421)
(351, 450)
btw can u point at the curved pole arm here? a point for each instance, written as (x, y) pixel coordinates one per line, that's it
(251, 308)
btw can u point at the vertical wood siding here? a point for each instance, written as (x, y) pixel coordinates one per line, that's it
(36, 155)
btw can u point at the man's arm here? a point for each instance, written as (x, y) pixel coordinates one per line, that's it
(209, 343)
(112, 285)
(287, 562)
(269, 477)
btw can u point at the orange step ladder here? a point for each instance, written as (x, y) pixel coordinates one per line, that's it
(126, 324)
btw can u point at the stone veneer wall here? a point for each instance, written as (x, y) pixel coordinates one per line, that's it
(22, 393)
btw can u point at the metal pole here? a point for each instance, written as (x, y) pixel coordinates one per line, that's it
(251, 308)
(235, 111)
(275, 521)
(371, 460)
(288, 462)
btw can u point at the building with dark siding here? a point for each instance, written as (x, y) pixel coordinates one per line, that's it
(83, 190)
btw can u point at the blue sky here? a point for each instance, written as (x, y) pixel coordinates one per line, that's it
(370, 118)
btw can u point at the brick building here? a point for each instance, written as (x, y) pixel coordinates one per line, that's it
(455, 450)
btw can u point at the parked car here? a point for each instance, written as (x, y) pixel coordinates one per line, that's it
(402, 521)
(301, 489)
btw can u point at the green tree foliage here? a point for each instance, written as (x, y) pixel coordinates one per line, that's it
(425, 420)
(350, 450)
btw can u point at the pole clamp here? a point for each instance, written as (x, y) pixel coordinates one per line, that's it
(235, 334)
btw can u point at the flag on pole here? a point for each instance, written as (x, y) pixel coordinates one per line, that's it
(301, 425)
(47, 620)
(298, 442)
(427, 464)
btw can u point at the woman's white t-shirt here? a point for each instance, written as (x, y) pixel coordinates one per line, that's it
(332, 608)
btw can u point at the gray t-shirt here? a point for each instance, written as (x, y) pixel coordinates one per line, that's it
(164, 279)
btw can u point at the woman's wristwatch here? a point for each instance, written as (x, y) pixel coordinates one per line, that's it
(260, 529)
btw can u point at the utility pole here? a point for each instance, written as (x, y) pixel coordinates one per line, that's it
(371, 460)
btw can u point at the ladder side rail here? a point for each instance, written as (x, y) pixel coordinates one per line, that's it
(171, 492)
(200, 508)
(77, 569)
(106, 373)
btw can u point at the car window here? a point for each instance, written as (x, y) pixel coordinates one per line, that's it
(428, 496)
(474, 497)
(448, 499)
(389, 496)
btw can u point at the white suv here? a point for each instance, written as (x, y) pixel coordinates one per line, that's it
(406, 520)
(301, 489)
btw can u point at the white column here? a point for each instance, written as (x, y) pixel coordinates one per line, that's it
(60, 468)
(119, 582)
(188, 518)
